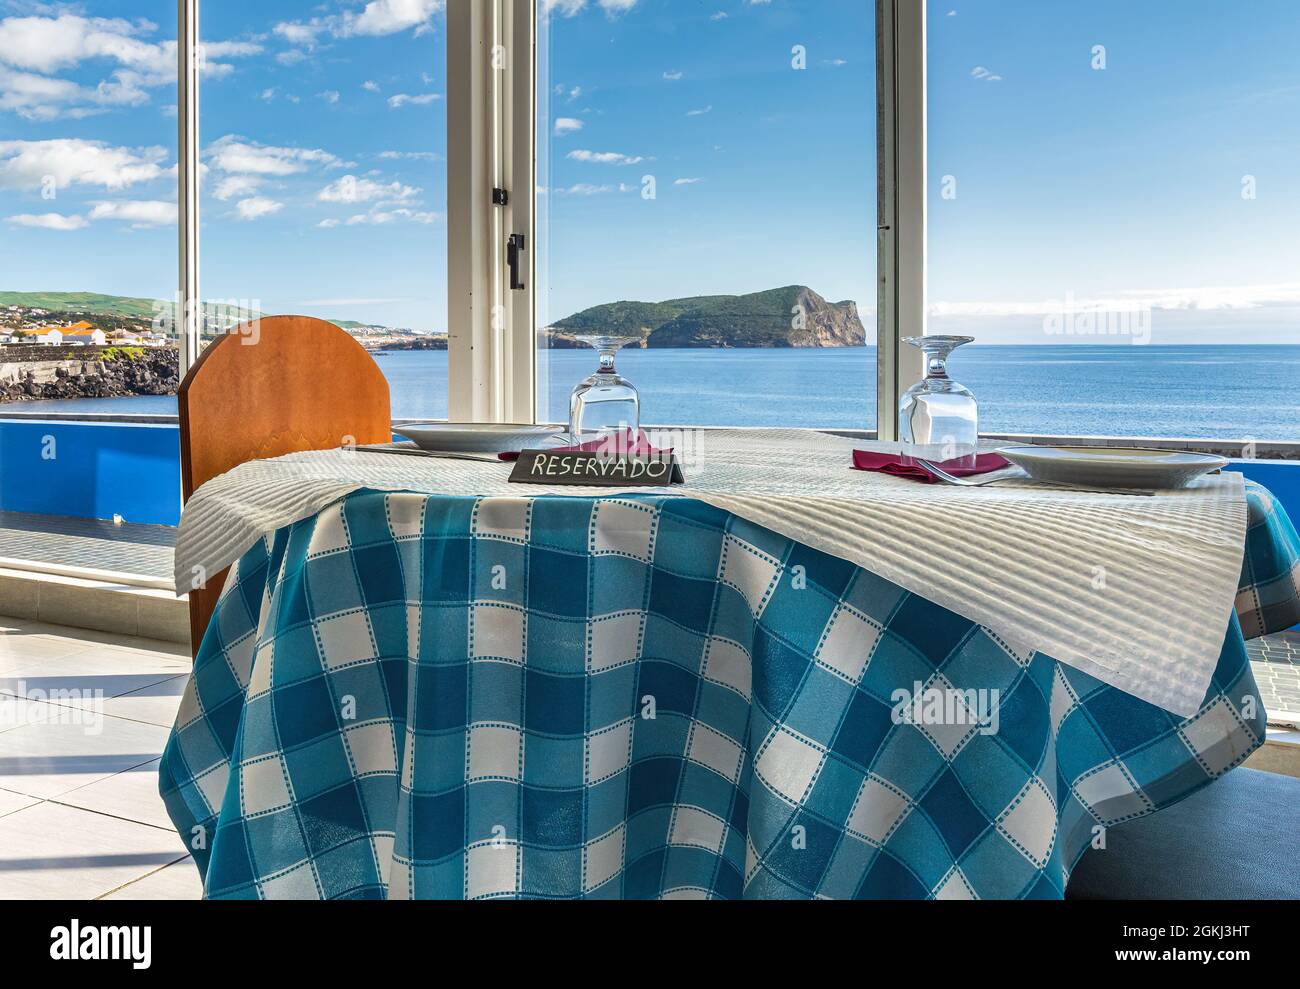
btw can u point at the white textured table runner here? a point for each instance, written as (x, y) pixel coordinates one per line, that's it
(1136, 591)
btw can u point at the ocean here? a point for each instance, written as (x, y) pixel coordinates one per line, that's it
(1217, 392)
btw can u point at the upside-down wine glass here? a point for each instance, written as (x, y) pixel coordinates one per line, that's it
(605, 403)
(938, 419)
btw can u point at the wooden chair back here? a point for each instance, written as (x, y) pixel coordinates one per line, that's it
(276, 385)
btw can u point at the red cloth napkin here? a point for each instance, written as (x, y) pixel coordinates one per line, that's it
(639, 446)
(904, 466)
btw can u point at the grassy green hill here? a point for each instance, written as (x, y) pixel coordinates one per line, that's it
(791, 316)
(121, 307)
(90, 303)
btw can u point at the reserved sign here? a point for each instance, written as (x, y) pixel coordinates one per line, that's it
(592, 469)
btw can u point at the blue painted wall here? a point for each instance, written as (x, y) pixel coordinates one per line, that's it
(91, 470)
(1282, 477)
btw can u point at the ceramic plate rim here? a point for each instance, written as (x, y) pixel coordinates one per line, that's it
(1096, 456)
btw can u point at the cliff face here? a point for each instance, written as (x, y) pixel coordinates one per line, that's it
(794, 316)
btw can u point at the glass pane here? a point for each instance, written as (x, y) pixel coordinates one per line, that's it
(707, 184)
(88, 245)
(1113, 209)
(87, 205)
(325, 184)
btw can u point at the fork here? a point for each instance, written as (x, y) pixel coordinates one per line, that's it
(1002, 474)
(1011, 473)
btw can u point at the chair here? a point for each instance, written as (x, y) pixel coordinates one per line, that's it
(277, 385)
(1237, 839)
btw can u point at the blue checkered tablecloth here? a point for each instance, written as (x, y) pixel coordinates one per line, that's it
(415, 696)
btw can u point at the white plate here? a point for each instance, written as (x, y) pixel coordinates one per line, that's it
(1112, 467)
(461, 437)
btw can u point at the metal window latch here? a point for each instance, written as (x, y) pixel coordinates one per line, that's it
(500, 197)
(513, 246)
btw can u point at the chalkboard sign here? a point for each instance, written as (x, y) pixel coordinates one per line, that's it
(596, 470)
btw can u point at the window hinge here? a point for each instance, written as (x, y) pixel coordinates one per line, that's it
(500, 197)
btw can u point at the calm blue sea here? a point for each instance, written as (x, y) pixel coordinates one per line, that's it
(1203, 391)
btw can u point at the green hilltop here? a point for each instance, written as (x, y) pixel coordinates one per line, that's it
(792, 316)
(89, 303)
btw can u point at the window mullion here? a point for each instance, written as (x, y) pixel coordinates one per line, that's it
(189, 306)
(901, 150)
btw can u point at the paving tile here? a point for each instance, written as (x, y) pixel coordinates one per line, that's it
(21, 645)
(132, 795)
(179, 881)
(91, 637)
(48, 750)
(50, 852)
(10, 801)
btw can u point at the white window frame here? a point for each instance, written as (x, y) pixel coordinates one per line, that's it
(902, 183)
(492, 137)
(188, 62)
(901, 203)
(491, 145)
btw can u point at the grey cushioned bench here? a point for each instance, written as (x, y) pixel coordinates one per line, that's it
(1238, 839)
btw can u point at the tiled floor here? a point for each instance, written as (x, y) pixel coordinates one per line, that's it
(83, 720)
(127, 548)
(80, 816)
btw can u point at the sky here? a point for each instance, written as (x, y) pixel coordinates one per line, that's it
(1155, 174)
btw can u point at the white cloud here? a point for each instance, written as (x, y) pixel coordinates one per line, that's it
(370, 86)
(411, 155)
(49, 44)
(700, 112)
(721, 15)
(673, 76)
(979, 72)
(421, 99)
(256, 207)
(234, 186)
(139, 213)
(376, 19)
(567, 125)
(585, 189)
(565, 8)
(1202, 298)
(233, 154)
(70, 161)
(49, 221)
(568, 8)
(691, 181)
(39, 97)
(605, 157)
(351, 189)
(401, 214)
(329, 96)
(300, 32)
(34, 48)
(382, 17)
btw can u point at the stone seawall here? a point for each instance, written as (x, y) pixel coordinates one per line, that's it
(33, 372)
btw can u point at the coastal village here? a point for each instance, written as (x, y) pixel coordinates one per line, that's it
(52, 328)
